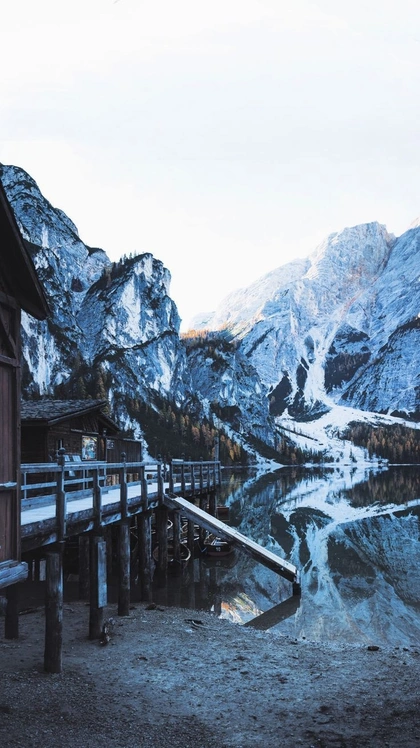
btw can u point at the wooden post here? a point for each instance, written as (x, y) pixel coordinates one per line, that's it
(188, 587)
(160, 480)
(162, 539)
(202, 532)
(212, 503)
(98, 588)
(54, 614)
(183, 479)
(143, 482)
(97, 500)
(171, 477)
(124, 547)
(108, 535)
(176, 539)
(202, 585)
(191, 537)
(192, 478)
(11, 623)
(144, 523)
(60, 504)
(84, 565)
(124, 569)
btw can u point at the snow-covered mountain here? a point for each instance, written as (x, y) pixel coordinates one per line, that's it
(337, 329)
(341, 326)
(117, 316)
(116, 323)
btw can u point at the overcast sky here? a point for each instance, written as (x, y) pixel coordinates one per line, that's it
(225, 137)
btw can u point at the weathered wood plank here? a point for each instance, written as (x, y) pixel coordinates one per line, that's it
(11, 622)
(98, 588)
(124, 569)
(253, 549)
(144, 525)
(12, 572)
(54, 614)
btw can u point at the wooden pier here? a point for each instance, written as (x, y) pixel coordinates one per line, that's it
(98, 507)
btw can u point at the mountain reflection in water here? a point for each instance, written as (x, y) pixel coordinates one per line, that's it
(353, 533)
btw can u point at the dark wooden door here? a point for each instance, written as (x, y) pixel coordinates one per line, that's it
(9, 430)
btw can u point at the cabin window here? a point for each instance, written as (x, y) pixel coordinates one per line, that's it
(89, 447)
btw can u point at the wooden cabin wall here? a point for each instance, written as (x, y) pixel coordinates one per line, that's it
(9, 428)
(34, 443)
(131, 448)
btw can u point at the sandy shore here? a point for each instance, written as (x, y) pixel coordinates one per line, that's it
(175, 677)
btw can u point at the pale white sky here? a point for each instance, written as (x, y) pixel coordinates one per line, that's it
(225, 137)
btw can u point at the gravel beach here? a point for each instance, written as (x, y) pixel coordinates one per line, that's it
(176, 677)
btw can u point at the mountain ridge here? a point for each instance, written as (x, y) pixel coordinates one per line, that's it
(338, 328)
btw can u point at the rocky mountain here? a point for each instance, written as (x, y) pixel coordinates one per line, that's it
(114, 325)
(338, 329)
(114, 317)
(341, 326)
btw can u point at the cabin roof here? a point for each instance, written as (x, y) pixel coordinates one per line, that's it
(16, 265)
(50, 412)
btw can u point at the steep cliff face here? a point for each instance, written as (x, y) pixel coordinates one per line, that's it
(131, 328)
(117, 316)
(229, 387)
(340, 326)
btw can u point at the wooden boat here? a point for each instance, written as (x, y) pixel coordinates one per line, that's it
(222, 512)
(217, 547)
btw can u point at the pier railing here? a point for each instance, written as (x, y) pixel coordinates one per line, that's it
(56, 494)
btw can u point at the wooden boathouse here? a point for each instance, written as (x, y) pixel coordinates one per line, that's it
(81, 427)
(19, 289)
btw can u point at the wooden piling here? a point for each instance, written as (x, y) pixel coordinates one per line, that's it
(162, 540)
(202, 532)
(124, 569)
(84, 566)
(176, 539)
(212, 503)
(98, 587)
(144, 524)
(109, 539)
(191, 537)
(11, 623)
(54, 613)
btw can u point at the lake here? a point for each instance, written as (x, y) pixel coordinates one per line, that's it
(353, 533)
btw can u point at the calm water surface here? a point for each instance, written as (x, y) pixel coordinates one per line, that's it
(353, 533)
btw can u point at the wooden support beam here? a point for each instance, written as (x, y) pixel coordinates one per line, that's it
(202, 531)
(144, 524)
(162, 540)
(109, 539)
(84, 567)
(191, 537)
(188, 586)
(250, 547)
(11, 622)
(98, 586)
(176, 539)
(54, 613)
(212, 503)
(124, 569)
